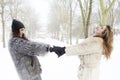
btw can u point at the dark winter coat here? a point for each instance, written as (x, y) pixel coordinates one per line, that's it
(24, 54)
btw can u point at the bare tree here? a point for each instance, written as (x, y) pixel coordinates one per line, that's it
(31, 23)
(54, 19)
(117, 13)
(71, 20)
(111, 15)
(2, 6)
(105, 11)
(58, 19)
(15, 8)
(86, 13)
(62, 15)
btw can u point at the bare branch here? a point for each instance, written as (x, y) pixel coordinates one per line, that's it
(110, 6)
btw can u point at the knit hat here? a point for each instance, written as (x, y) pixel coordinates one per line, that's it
(16, 25)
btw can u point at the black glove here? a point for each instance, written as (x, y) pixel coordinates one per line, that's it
(58, 50)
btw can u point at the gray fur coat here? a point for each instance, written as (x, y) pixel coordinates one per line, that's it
(24, 54)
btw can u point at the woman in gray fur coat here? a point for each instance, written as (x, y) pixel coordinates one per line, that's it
(24, 52)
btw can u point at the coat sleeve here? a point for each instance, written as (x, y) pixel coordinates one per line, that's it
(88, 46)
(30, 48)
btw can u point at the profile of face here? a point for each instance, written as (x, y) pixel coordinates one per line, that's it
(21, 31)
(100, 30)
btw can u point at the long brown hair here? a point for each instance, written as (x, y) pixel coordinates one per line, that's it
(16, 34)
(107, 36)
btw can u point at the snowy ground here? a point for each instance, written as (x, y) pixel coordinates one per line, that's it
(63, 68)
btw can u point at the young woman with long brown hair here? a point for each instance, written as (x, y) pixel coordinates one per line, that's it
(90, 52)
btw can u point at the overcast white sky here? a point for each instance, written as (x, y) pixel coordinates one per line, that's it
(42, 8)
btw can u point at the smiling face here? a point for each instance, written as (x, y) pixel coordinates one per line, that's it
(100, 30)
(21, 30)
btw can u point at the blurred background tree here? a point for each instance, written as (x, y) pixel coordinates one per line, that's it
(68, 20)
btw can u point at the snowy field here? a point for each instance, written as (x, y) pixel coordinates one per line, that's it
(63, 68)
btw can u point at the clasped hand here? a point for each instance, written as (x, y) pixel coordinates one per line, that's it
(58, 50)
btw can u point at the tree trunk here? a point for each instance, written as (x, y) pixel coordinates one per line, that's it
(88, 19)
(105, 11)
(3, 23)
(83, 15)
(86, 13)
(70, 22)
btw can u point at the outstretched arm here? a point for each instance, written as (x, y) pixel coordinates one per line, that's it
(28, 47)
(89, 46)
